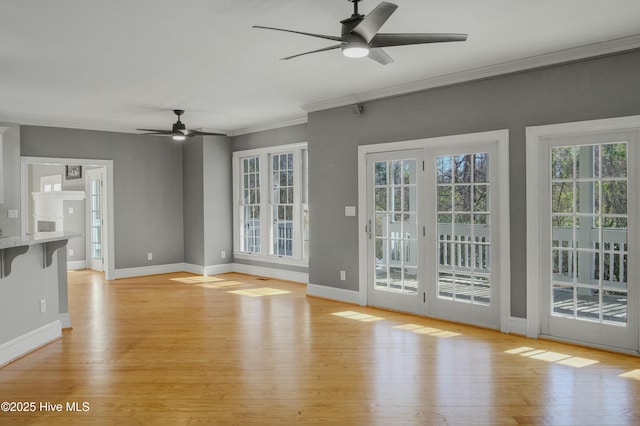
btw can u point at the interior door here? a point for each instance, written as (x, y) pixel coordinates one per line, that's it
(394, 181)
(461, 257)
(95, 182)
(589, 242)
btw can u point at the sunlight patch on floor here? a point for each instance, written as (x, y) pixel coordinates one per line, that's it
(357, 316)
(633, 374)
(198, 279)
(224, 284)
(552, 357)
(259, 292)
(421, 329)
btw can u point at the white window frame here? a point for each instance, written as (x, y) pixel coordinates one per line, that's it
(300, 256)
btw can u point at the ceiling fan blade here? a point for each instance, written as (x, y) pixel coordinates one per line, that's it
(158, 132)
(380, 56)
(197, 133)
(335, 46)
(371, 24)
(300, 32)
(400, 39)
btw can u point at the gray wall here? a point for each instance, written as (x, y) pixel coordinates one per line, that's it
(218, 200)
(147, 187)
(592, 89)
(193, 201)
(75, 222)
(207, 200)
(21, 292)
(11, 173)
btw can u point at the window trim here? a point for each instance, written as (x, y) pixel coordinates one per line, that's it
(265, 202)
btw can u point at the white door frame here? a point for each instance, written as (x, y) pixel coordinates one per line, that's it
(109, 258)
(501, 137)
(536, 149)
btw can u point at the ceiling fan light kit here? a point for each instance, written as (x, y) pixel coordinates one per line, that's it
(360, 37)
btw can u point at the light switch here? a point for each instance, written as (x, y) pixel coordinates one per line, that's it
(349, 210)
(12, 214)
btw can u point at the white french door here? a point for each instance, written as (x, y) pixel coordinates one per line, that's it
(95, 222)
(589, 239)
(437, 227)
(394, 224)
(463, 262)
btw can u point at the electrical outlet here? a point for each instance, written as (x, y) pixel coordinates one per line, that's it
(343, 275)
(43, 305)
(12, 214)
(223, 254)
(70, 210)
(149, 256)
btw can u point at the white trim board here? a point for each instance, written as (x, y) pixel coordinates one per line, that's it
(208, 270)
(22, 345)
(149, 270)
(76, 264)
(65, 320)
(333, 293)
(280, 274)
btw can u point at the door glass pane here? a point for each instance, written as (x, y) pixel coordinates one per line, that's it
(464, 231)
(396, 226)
(96, 218)
(589, 232)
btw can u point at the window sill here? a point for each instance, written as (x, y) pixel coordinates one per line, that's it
(272, 259)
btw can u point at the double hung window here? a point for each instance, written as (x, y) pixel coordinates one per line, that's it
(270, 204)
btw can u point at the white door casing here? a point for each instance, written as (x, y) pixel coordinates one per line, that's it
(583, 271)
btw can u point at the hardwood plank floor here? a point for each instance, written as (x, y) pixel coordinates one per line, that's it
(182, 349)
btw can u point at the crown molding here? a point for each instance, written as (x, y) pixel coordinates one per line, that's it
(30, 121)
(269, 126)
(524, 64)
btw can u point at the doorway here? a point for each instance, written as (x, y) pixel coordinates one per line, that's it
(435, 216)
(105, 212)
(588, 222)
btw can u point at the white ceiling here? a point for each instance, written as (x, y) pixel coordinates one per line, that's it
(123, 64)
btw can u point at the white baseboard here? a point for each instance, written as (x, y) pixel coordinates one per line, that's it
(280, 274)
(76, 264)
(208, 270)
(218, 269)
(148, 270)
(194, 269)
(29, 342)
(518, 326)
(333, 293)
(65, 320)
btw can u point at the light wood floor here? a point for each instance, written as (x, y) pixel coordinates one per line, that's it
(181, 349)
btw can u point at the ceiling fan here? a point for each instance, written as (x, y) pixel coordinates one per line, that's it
(179, 132)
(360, 36)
